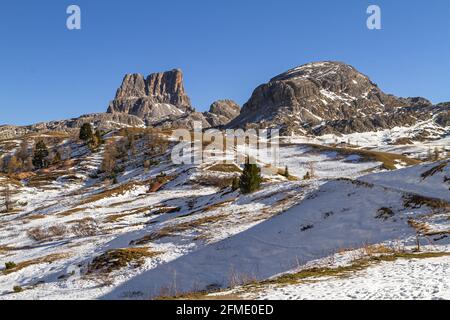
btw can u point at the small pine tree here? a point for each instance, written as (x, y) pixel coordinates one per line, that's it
(40, 155)
(307, 176)
(251, 178)
(286, 172)
(7, 199)
(86, 132)
(235, 185)
(56, 158)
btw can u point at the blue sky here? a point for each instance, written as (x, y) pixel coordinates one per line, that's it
(225, 47)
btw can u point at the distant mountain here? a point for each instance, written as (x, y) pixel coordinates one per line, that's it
(331, 97)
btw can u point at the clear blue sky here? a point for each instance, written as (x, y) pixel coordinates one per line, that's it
(225, 48)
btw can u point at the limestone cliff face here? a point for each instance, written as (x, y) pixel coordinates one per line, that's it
(222, 112)
(327, 97)
(159, 96)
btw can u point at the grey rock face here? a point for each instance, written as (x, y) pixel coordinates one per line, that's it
(222, 112)
(159, 96)
(327, 97)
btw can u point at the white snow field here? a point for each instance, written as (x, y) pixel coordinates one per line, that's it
(404, 279)
(340, 214)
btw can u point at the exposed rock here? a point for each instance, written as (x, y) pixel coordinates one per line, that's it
(328, 97)
(159, 96)
(222, 112)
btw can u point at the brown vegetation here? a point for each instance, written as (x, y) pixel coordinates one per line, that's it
(117, 259)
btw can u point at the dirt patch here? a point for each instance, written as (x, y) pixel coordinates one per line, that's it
(389, 160)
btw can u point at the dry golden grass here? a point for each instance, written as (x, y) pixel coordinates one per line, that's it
(119, 216)
(199, 296)
(117, 259)
(357, 265)
(173, 230)
(225, 167)
(70, 212)
(418, 201)
(116, 191)
(47, 259)
(388, 159)
(434, 170)
(35, 217)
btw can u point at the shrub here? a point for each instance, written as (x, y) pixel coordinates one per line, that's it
(17, 289)
(10, 265)
(45, 234)
(84, 228)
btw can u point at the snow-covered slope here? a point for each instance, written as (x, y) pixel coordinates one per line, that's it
(340, 214)
(70, 225)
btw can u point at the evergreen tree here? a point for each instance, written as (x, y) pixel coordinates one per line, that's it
(40, 155)
(286, 172)
(86, 132)
(307, 176)
(7, 198)
(251, 178)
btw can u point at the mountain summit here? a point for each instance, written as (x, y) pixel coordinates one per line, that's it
(326, 97)
(152, 98)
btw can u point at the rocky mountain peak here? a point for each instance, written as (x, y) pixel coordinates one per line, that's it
(323, 97)
(154, 98)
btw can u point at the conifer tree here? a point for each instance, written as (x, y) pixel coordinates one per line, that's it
(40, 155)
(251, 178)
(286, 172)
(86, 132)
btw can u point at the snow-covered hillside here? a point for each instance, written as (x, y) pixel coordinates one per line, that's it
(166, 229)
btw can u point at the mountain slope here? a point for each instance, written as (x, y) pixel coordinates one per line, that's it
(327, 97)
(340, 214)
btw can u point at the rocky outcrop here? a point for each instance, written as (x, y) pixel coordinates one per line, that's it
(159, 96)
(222, 112)
(327, 97)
